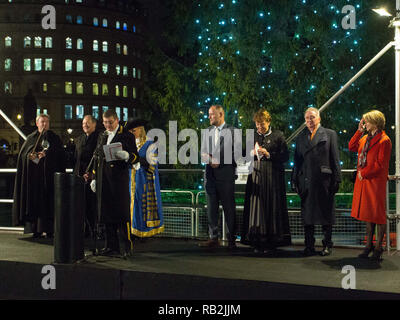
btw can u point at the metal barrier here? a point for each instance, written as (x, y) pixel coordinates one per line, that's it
(190, 221)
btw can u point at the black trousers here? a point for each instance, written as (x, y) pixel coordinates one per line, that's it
(309, 236)
(221, 192)
(118, 237)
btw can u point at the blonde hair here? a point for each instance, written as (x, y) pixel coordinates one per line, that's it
(262, 115)
(376, 118)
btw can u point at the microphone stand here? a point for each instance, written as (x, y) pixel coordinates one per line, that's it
(95, 157)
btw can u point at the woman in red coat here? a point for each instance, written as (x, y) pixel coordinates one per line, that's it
(369, 197)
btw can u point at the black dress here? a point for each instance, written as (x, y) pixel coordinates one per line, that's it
(265, 219)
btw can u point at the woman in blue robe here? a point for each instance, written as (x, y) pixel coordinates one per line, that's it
(146, 206)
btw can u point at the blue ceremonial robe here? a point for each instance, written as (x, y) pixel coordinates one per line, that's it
(146, 206)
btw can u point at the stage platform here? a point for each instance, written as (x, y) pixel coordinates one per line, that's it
(177, 269)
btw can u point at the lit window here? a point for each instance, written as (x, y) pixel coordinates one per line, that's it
(117, 25)
(67, 112)
(95, 45)
(68, 89)
(68, 43)
(7, 64)
(79, 88)
(48, 42)
(48, 65)
(104, 108)
(68, 65)
(105, 68)
(104, 89)
(38, 64)
(117, 91)
(134, 93)
(38, 42)
(125, 91)
(105, 23)
(117, 70)
(79, 20)
(95, 22)
(95, 90)
(27, 64)
(44, 87)
(79, 44)
(125, 71)
(95, 67)
(95, 112)
(27, 42)
(125, 50)
(7, 42)
(134, 28)
(105, 46)
(118, 112)
(68, 18)
(80, 111)
(125, 26)
(8, 87)
(118, 48)
(134, 73)
(79, 66)
(125, 114)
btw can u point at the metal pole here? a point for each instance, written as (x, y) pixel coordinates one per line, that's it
(12, 124)
(337, 94)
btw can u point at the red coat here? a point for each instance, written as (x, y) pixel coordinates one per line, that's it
(369, 196)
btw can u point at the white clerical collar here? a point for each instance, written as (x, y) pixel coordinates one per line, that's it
(113, 132)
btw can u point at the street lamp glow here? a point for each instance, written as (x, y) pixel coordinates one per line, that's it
(382, 12)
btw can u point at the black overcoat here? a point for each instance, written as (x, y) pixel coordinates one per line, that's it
(34, 183)
(316, 175)
(112, 179)
(84, 148)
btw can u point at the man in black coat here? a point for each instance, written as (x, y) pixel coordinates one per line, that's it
(85, 146)
(41, 155)
(111, 185)
(316, 177)
(217, 151)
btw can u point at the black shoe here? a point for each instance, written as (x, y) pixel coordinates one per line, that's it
(365, 253)
(309, 251)
(377, 255)
(326, 251)
(109, 252)
(211, 243)
(232, 245)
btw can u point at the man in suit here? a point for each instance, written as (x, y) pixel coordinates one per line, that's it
(84, 148)
(111, 185)
(219, 180)
(316, 177)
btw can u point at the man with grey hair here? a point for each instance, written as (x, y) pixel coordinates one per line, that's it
(316, 177)
(41, 155)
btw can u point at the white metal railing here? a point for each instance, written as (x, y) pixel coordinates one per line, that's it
(195, 205)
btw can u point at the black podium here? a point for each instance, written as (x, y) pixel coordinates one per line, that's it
(69, 207)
